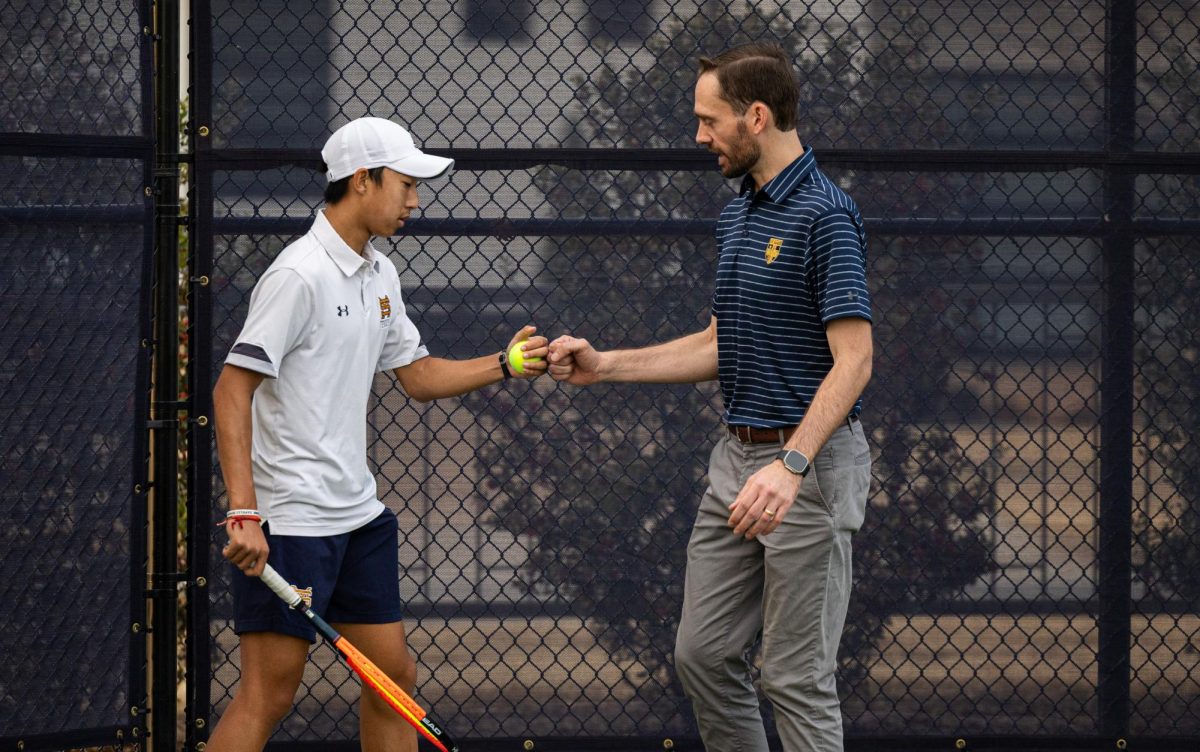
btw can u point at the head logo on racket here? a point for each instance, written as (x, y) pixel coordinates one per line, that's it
(305, 595)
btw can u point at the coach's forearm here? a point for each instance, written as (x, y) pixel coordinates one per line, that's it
(850, 342)
(687, 360)
(832, 403)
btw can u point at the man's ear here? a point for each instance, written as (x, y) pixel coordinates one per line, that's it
(760, 117)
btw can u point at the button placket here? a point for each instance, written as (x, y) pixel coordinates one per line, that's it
(364, 282)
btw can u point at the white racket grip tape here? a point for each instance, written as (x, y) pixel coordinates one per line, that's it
(280, 586)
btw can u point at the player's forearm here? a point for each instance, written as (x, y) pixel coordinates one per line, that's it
(234, 427)
(687, 360)
(433, 378)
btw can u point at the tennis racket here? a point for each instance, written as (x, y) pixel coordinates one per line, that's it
(371, 674)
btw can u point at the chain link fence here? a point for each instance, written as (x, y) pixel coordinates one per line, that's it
(1028, 568)
(75, 229)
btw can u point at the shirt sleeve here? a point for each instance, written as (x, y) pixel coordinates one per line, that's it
(838, 267)
(403, 343)
(281, 307)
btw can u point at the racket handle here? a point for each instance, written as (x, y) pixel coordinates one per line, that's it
(272, 580)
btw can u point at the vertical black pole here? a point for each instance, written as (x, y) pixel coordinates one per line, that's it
(200, 376)
(1116, 381)
(164, 561)
(143, 472)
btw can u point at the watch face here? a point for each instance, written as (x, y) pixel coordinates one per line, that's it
(795, 462)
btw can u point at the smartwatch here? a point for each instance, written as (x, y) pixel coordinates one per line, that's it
(794, 461)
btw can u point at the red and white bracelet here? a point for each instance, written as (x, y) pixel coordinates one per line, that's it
(238, 516)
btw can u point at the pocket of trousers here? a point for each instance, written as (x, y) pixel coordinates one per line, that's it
(844, 490)
(813, 487)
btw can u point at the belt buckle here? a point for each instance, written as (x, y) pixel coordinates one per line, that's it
(745, 439)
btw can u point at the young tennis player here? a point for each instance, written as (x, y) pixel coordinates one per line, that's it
(291, 406)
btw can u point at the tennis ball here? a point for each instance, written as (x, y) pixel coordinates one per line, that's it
(517, 359)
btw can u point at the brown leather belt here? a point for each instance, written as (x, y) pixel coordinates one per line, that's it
(752, 435)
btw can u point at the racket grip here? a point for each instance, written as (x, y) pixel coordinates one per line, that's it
(272, 580)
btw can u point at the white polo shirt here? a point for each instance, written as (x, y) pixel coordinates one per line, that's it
(322, 321)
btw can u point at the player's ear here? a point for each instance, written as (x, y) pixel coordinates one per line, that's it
(359, 180)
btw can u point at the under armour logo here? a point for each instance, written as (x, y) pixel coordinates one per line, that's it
(343, 310)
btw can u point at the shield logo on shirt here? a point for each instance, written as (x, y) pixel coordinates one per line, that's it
(774, 246)
(385, 308)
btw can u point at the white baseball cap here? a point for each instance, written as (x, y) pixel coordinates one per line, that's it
(375, 142)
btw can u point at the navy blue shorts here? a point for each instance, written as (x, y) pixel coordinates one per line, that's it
(354, 577)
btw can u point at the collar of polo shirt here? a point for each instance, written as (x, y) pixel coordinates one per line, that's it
(778, 187)
(342, 254)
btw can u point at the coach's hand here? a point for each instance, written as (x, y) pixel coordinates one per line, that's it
(247, 548)
(763, 501)
(574, 361)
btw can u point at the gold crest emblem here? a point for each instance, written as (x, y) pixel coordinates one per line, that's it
(774, 246)
(385, 307)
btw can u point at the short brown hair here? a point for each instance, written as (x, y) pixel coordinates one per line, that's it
(757, 72)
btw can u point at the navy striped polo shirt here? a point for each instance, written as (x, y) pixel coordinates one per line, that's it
(792, 258)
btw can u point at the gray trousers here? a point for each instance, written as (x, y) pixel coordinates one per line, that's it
(792, 586)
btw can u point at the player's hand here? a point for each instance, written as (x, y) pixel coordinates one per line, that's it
(574, 361)
(531, 347)
(762, 503)
(247, 548)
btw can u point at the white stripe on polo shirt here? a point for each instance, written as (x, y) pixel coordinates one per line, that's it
(322, 321)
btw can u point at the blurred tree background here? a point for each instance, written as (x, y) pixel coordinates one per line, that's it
(1167, 525)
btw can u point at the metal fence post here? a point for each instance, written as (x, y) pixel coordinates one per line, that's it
(164, 575)
(200, 441)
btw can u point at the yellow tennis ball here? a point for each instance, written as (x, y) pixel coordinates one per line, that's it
(517, 359)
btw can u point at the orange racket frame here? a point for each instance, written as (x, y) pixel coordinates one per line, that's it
(370, 674)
